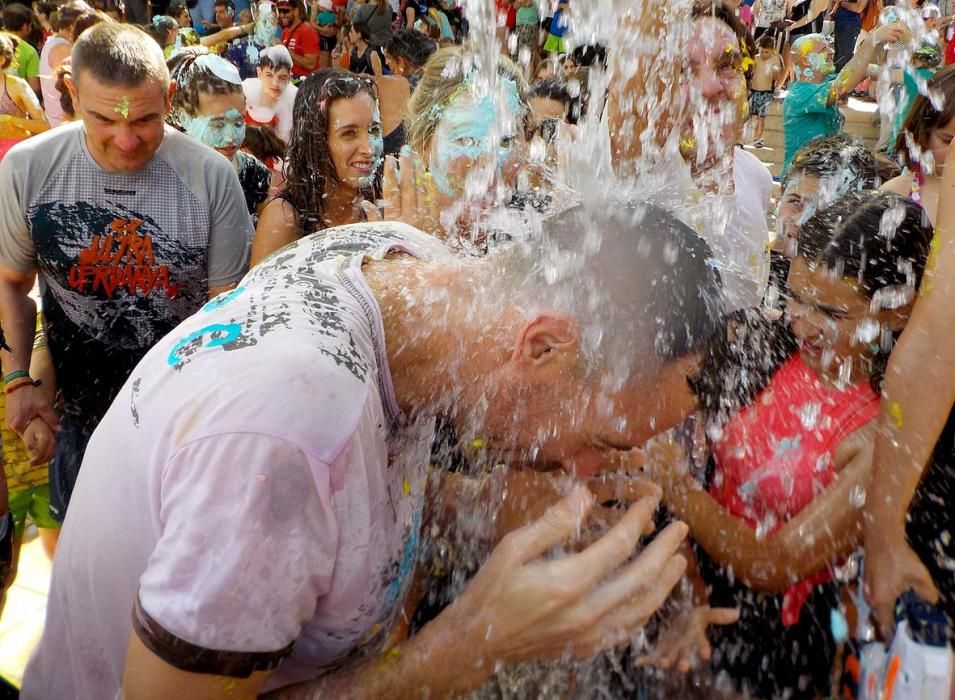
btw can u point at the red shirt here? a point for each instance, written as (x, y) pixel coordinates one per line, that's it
(302, 40)
(775, 455)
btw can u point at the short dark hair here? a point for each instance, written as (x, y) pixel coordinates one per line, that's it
(192, 79)
(15, 16)
(68, 13)
(87, 20)
(550, 89)
(840, 154)
(411, 45)
(227, 4)
(766, 41)
(118, 54)
(362, 30)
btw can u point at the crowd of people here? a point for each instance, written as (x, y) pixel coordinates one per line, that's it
(507, 367)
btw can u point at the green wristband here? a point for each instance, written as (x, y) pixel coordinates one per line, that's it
(20, 373)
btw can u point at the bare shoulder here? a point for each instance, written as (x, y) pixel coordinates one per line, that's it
(278, 226)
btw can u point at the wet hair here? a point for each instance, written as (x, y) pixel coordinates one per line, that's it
(879, 239)
(645, 287)
(766, 41)
(15, 16)
(840, 156)
(924, 117)
(7, 50)
(442, 80)
(411, 45)
(309, 170)
(263, 142)
(274, 59)
(193, 79)
(723, 12)
(177, 7)
(118, 55)
(160, 28)
(87, 20)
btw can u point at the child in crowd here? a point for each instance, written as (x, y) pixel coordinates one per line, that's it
(784, 404)
(270, 95)
(766, 68)
(811, 108)
(209, 105)
(558, 27)
(263, 143)
(325, 21)
(26, 480)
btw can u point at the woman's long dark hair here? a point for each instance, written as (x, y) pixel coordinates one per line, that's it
(309, 170)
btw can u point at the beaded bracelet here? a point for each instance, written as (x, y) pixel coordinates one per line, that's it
(18, 374)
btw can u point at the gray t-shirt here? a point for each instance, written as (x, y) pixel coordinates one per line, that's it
(379, 23)
(122, 257)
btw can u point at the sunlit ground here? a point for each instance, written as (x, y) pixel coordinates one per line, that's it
(23, 615)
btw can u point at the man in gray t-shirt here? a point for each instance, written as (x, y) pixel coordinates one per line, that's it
(130, 227)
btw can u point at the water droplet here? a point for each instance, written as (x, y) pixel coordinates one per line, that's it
(857, 496)
(809, 414)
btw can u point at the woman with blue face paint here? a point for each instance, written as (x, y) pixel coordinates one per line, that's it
(209, 105)
(469, 136)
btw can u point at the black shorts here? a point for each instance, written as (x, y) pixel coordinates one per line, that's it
(327, 43)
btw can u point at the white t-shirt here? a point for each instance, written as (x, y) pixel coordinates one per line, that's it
(279, 115)
(252, 498)
(734, 225)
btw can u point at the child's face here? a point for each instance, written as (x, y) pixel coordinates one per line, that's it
(831, 318)
(766, 52)
(219, 122)
(798, 203)
(274, 80)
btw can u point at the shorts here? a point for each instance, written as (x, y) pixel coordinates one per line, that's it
(759, 101)
(34, 502)
(71, 444)
(527, 36)
(327, 43)
(554, 44)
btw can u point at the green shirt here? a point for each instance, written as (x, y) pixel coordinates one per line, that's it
(27, 61)
(527, 15)
(807, 115)
(910, 90)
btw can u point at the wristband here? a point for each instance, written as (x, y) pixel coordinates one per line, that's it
(18, 374)
(19, 385)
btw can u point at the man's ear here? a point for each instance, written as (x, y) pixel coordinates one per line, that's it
(169, 95)
(548, 337)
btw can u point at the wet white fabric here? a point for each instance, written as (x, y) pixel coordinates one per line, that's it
(281, 111)
(254, 484)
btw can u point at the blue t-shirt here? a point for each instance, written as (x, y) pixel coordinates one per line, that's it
(807, 114)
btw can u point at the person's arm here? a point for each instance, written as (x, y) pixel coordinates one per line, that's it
(25, 98)
(305, 61)
(227, 34)
(911, 419)
(828, 528)
(278, 226)
(857, 68)
(856, 6)
(519, 607)
(18, 319)
(58, 54)
(640, 75)
(376, 64)
(230, 231)
(815, 9)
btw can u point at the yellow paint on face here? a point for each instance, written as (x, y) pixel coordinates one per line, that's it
(122, 108)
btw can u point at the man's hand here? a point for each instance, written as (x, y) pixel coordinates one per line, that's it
(26, 404)
(40, 441)
(685, 641)
(891, 568)
(521, 606)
